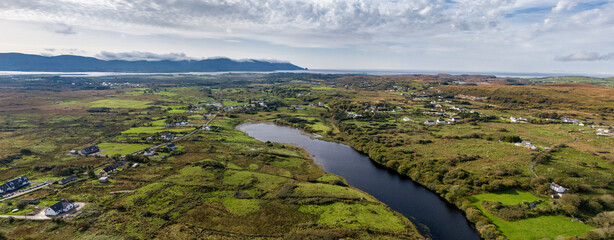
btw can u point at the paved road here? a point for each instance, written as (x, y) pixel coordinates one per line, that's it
(25, 192)
(565, 143)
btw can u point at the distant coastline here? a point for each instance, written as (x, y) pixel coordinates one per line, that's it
(314, 71)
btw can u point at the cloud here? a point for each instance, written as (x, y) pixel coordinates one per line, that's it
(586, 56)
(564, 5)
(308, 23)
(500, 34)
(62, 51)
(137, 56)
(64, 29)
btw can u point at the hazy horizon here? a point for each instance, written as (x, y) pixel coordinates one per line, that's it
(514, 36)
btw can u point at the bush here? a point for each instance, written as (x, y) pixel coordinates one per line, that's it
(26, 152)
(510, 212)
(421, 141)
(511, 139)
(570, 203)
(607, 201)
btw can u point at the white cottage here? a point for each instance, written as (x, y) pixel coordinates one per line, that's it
(59, 208)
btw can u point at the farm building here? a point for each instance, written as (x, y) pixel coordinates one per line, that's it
(111, 168)
(90, 150)
(171, 146)
(67, 180)
(59, 208)
(103, 179)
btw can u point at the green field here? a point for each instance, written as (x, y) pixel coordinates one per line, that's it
(355, 216)
(120, 148)
(323, 88)
(531, 228)
(27, 209)
(137, 130)
(223, 184)
(119, 103)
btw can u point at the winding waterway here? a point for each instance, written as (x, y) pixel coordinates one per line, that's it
(417, 203)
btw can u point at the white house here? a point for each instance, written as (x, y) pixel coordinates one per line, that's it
(453, 119)
(557, 188)
(59, 208)
(406, 119)
(149, 152)
(167, 136)
(353, 115)
(429, 122)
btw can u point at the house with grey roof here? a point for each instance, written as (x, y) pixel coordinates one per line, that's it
(59, 208)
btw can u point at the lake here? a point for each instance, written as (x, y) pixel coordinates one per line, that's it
(422, 206)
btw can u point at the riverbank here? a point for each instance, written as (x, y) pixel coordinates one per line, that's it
(400, 193)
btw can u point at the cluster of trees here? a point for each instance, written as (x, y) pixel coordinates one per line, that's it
(515, 212)
(461, 158)
(551, 115)
(99, 110)
(511, 139)
(60, 171)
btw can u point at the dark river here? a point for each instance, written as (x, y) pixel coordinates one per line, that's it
(400, 193)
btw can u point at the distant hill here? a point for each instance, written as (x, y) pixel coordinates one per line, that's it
(71, 63)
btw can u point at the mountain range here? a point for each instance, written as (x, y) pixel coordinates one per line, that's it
(72, 63)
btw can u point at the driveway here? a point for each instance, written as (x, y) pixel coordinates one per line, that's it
(41, 215)
(19, 193)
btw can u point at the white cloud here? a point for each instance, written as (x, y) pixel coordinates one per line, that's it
(493, 33)
(586, 56)
(564, 5)
(298, 22)
(136, 56)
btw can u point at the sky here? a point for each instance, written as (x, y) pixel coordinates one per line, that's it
(524, 36)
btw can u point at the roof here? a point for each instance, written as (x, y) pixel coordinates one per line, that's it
(557, 188)
(90, 149)
(68, 179)
(59, 207)
(15, 184)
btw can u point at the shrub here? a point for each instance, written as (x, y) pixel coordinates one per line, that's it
(511, 139)
(26, 152)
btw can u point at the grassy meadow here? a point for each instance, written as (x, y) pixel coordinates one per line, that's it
(222, 184)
